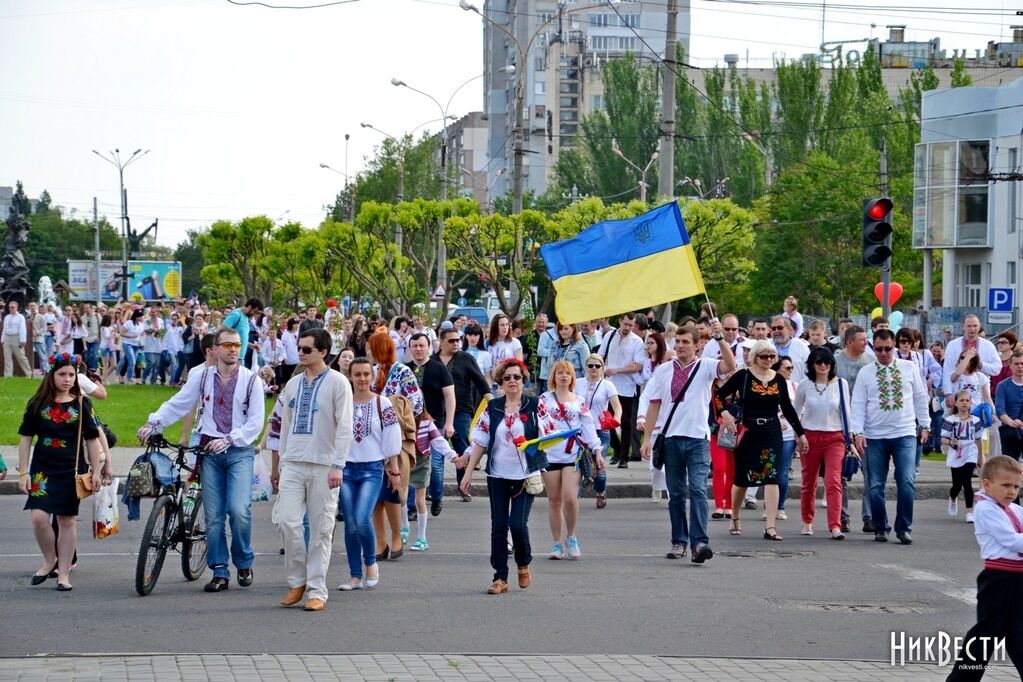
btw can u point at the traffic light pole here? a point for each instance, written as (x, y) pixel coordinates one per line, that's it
(886, 267)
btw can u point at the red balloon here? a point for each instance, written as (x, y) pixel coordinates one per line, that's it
(894, 292)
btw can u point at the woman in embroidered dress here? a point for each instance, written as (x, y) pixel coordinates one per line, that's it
(54, 416)
(507, 421)
(600, 396)
(760, 392)
(373, 459)
(569, 411)
(393, 378)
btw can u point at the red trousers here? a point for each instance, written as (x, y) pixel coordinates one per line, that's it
(829, 447)
(723, 464)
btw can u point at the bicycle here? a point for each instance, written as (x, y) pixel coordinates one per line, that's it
(176, 519)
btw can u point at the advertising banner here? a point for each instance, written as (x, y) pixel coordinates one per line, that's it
(152, 281)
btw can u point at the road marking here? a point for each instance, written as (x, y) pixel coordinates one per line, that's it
(948, 587)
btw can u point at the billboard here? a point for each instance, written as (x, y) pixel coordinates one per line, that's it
(153, 280)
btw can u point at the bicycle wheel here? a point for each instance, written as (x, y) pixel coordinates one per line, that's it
(193, 543)
(155, 540)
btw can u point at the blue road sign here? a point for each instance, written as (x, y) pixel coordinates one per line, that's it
(462, 301)
(1000, 300)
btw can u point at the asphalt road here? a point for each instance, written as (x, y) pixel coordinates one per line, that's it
(806, 597)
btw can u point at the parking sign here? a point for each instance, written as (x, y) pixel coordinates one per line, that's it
(1000, 300)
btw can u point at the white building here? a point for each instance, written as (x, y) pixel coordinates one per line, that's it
(966, 189)
(555, 96)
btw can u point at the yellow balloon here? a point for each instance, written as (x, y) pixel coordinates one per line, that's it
(876, 312)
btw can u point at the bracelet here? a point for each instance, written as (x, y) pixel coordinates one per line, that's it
(22, 473)
(392, 473)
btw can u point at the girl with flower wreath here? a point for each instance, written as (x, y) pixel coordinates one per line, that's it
(760, 392)
(56, 417)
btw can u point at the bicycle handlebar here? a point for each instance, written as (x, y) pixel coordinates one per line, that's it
(158, 442)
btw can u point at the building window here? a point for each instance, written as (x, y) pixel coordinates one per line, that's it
(970, 285)
(951, 195)
(568, 88)
(569, 102)
(600, 20)
(540, 88)
(1010, 273)
(596, 102)
(544, 15)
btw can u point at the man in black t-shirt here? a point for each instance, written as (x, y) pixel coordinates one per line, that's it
(439, 396)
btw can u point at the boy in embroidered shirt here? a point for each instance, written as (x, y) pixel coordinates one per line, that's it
(998, 524)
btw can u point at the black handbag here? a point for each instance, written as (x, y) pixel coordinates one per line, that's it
(658, 446)
(851, 461)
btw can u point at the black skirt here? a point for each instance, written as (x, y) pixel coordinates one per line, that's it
(756, 456)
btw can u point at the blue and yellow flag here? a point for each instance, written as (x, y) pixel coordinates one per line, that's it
(616, 266)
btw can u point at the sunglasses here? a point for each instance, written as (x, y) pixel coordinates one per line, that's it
(883, 349)
(511, 377)
(766, 356)
(306, 349)
(454, 339)
(822, 362)
(230, 345)
(999, 342)
(594, 366)
(778, 328)
(731, 329)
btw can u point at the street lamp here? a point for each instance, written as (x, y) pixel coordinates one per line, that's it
(351, 204)
(717, 191)
(642, 171)
(115, 160)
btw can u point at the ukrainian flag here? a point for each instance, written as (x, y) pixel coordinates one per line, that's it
(616, 266)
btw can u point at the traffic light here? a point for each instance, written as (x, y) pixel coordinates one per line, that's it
(877, 230)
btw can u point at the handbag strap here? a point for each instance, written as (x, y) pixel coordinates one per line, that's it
(841, 411)
(78, 441)
(682, 394)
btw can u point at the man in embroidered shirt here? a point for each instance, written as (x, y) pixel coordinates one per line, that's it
(790, 346)
(316, 434)
(889, 400)
(624, 355)
(687, 436)
(230, 420)
(15, 336)
(973, 344)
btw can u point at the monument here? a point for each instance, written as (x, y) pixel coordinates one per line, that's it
(14, 284)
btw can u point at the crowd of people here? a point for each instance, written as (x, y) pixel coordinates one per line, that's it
(369, 413)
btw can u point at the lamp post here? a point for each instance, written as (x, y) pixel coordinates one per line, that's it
(642, 171)
(348, 195)
(114, 159)
(715, 192)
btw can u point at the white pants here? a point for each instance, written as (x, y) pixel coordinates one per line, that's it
(14, 350)
(303, 486)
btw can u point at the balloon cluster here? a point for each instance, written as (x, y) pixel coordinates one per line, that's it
(894, 294)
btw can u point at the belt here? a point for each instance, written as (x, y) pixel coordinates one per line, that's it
(759, 421)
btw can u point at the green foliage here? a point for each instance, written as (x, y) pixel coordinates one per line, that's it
(959, 78)
(20, 201)
(189, 254)
(53, 240)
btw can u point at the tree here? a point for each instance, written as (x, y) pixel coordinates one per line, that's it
(43, 204)
(54, 240)
(235, 252)
(960, 78)
(189, 253)
(20, 202)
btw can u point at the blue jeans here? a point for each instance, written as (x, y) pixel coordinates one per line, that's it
(128, 361)
(92, 354)
(784, 463)
(509, 510)
(227, 490)
(153, 363)
(48, 340)
(901, 451)
(360, 488)
(42, 358)
(179, 367)
(436, 488)
(460, 441)
(600, 477)
(686, 463)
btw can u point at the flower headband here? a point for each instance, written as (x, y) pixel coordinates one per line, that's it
(64, 359)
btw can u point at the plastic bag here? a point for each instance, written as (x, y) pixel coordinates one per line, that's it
(262, 488)
(106, 517)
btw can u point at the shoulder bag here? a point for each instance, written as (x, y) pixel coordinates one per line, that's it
(851, 461)
(730, 439)
(658, 446)
(83, 482)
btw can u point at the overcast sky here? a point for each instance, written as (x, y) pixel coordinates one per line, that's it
(240, 104)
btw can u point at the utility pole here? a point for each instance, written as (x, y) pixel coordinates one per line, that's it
(99, 279)
(666, 171)
(886, 267)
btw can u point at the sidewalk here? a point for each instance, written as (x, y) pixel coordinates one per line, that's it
(454, 667)
(932, 482)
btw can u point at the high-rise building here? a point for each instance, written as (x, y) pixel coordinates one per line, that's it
(554, 45)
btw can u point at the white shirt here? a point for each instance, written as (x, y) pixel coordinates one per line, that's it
(502, 350)
(376, 433)
(619, 350)
(14, 324)
(894, 413)
(821, 412)
(797, 351)
(990, 362)
(597, 396)
(482, 358)
(566, 416)
(316, 419)
(289, 343)
(692, 416)
(995, 533)
(151, 342)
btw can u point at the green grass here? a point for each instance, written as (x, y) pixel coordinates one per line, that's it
(124, 411)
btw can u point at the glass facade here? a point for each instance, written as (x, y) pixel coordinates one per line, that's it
(950, 198)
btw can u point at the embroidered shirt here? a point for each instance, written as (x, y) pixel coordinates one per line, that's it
(222, 392)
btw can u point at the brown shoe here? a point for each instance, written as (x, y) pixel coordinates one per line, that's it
(293, 596)
(498, 587)
(524, 576)
(314, 604)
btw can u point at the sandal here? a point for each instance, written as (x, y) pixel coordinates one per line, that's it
(736, 529)
(768, 535)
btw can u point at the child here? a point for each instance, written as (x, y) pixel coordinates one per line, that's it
(961, 432)
(999, 530)
(967, 377)
(428, 437)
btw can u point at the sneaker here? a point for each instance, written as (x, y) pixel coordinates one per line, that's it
(969, 517)
(656, 496)
(419, 545)
(750, 504)
(905, 537)
(868, 526)
(412, 514)
(824, 503)
(573, 547)
(953, 508)
(676, 552)
(702, 553)
(557, 551)
(404, 534)
(436, 506)
(781, 515)
(601, 501)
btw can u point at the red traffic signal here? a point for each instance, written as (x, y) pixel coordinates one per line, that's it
(877, 230)
(879, 209)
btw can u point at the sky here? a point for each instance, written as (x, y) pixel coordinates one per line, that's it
(239, 105)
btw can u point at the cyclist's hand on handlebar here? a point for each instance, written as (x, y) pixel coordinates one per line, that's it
(218, 445)
(146, 431)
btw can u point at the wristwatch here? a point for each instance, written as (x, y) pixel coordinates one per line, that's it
(337, 467)
(718, 337)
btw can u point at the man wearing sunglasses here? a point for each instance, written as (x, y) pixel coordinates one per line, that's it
(789, 345)
(230, 419)
(889, 401)
(733, 339)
